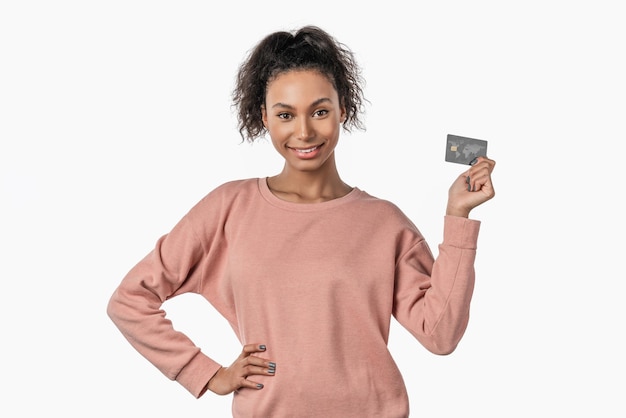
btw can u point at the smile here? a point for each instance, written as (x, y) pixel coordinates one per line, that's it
(307, 153)
(306, 150)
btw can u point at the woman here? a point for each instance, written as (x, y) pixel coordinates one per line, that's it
(307, 269)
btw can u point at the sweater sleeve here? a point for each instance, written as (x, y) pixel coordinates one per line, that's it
(174, 266)
(432, 296)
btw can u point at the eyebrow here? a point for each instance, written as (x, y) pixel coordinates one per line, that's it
(315, 103)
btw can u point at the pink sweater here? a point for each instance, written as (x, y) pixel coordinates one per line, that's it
(316, 283)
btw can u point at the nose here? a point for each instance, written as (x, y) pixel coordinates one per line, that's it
(304, 129)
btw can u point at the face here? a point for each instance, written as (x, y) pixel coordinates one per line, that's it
(303, 116)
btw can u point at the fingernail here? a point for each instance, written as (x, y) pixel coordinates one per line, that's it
(467, 179)
(474, 161)
(469, 187)
(259, 386)
(272, 365)
(262, 347)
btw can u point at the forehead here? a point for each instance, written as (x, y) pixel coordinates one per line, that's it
(297, 85)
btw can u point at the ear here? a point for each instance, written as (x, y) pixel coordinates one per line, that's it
(344, 114)
(264, 116)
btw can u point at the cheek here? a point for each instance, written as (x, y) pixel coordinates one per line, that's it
(279, 135)
(330, 130)
(279, 131)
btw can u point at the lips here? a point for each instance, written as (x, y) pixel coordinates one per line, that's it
(306, 153)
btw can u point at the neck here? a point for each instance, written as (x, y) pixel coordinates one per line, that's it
(308, 187)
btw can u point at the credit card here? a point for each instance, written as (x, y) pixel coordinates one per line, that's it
(464, 150)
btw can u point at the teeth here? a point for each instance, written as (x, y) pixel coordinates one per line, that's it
(306, 151)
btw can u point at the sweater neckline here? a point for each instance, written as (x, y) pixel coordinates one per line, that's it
(274, 200)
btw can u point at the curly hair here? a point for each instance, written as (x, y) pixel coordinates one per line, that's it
(309, 48)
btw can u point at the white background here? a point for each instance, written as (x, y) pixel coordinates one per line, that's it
(115, 119)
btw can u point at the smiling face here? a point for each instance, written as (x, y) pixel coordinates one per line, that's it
(303, 116)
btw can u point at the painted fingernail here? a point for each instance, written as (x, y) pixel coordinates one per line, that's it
(474, 161)
(271, 371)
(262, 347)
(469, 187)
(259, 386)
(272, 365)
(467, 180)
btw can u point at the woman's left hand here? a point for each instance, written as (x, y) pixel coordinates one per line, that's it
(471, 188)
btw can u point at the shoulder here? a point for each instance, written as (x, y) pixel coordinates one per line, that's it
(385, 222)
(235, 187)
(226, 195)
(378, 204)
(232, 189)
(383, 213)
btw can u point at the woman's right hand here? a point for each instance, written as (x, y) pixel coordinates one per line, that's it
(234, 377)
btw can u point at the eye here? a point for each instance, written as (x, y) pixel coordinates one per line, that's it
(284, 115)
(320, 113)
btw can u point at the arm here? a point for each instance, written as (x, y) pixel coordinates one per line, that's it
(173, 267)
(432, 298)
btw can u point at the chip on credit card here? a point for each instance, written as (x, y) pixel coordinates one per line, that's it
(464, 150)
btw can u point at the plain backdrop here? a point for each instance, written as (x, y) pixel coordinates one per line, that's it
(115, 118)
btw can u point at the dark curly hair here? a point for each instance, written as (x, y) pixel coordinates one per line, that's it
(309, 48)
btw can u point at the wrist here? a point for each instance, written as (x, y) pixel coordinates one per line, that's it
(210, 385)
(460, 212)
